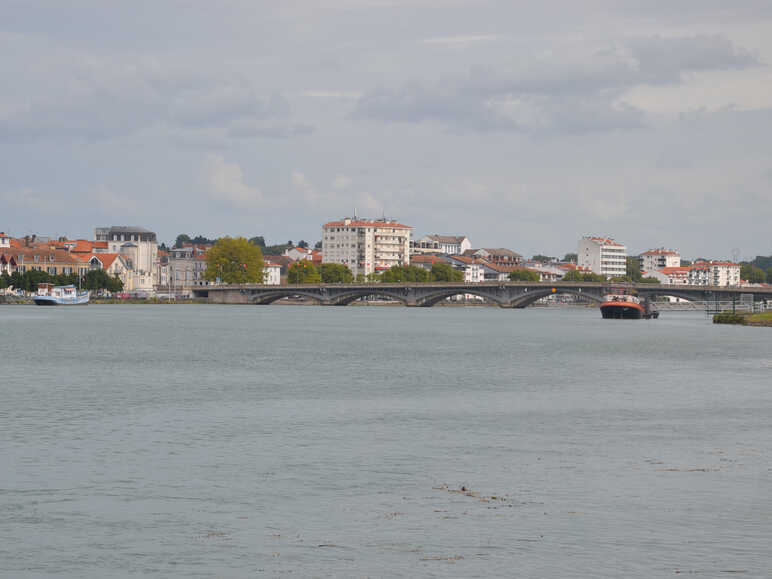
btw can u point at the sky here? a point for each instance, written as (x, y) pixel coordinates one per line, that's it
(518, 124)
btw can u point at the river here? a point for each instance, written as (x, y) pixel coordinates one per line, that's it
(237, 441)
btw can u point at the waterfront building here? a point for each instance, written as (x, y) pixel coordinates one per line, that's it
(603, 256)
(41, 257)
(715, 273)
(139, 248)
(366, 245)
(447, 244)
(187, 267)
(115, 265)
(659, 259)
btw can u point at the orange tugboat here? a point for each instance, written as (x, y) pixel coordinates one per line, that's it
(624, 307)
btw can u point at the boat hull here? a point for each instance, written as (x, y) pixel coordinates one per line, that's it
(79, 300)
(621, 311)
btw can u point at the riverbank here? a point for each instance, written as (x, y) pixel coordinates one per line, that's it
(761, 319)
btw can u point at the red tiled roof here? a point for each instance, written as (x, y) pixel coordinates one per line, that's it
(365, 223)
(106, 259)
(604, 241)
(660, 252)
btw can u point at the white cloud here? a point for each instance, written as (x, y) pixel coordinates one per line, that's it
(226, 183)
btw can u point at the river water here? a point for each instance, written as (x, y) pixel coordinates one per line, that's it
(237, 441)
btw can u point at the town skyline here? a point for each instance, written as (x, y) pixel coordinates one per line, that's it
(312, 240)
(496, 120)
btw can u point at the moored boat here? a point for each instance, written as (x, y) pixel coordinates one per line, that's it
(62, 295)
(622, 307)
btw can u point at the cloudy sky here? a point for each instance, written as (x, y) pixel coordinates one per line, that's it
(520, 124)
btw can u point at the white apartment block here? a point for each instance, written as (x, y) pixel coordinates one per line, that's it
(659, 259)
(447, 244)
(715, 273)
(366, 246)
(603, 256)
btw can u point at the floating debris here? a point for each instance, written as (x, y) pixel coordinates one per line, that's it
(467, 492)
(451, 559)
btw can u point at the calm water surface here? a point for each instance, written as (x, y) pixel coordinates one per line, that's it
(234, 441)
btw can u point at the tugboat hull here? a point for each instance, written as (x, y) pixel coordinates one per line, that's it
(621, 311)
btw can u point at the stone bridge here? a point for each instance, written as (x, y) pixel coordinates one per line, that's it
(505, 294)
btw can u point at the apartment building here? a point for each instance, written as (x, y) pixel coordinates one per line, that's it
(366, 245)
(659, 259)
(716, 273)
(603, 256)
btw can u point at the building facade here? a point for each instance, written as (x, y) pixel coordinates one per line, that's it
(366, 246)
(139, 248)
(659, 259)
(447, 244)
(603, 256)
(716, 273)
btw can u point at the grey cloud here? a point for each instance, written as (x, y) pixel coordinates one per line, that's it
(663, 60)
(571, 93)
(82, 97)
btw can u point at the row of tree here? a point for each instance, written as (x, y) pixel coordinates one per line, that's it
(95, 279)
(306, 272)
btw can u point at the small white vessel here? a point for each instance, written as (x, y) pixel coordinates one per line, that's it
(61, 295)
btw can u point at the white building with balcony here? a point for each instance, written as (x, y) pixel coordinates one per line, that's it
(366, 246)
(659, 259)
(603, 256)
(716, 273)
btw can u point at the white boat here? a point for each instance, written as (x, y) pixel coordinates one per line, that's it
(61, 295)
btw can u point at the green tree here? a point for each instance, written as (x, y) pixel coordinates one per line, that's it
(318, 244)
(181, 238)
(97, 279)
(5, 280)
(445, 272)
(542, 258)
(752, 273)
(524, 275)
(769, 275)
(405, 273)
(259, 241)
(234, 260)
(634, 268)
(570, 258)
(583, 276)
(335, 273)
(303, 271)
(303, 243)
(649, 279)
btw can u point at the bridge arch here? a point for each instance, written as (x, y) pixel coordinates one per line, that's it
(530, 297)
(346, 298)
(270, 297)
(438, 296)
(689, 297)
